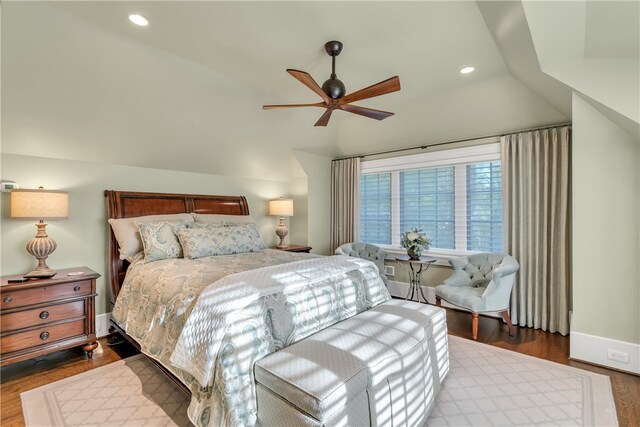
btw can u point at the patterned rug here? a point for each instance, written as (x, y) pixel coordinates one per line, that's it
(130, 392)
(490, 386)
(486, 386)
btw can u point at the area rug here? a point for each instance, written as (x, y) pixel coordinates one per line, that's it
(485, 386)
(490, 386)
(129, 392)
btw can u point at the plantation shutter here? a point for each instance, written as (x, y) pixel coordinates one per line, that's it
(375, 208)
(484, 207)
(427, 201)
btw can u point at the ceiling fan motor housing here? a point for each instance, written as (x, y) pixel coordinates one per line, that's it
(334, 88)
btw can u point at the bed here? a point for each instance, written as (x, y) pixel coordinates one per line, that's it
(205, 321)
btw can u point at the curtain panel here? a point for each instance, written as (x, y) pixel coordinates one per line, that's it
(536, 215)
(345, 201)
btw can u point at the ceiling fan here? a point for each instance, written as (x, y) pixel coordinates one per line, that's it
(333, 92)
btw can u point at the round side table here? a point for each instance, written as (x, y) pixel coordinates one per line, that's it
(415, 274)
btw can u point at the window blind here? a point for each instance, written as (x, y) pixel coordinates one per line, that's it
(375, 208)
(427, 201)
(484, 207)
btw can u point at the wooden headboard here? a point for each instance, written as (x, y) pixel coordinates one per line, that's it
(126, 204)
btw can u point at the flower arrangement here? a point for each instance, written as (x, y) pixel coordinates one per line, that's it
(415, 241)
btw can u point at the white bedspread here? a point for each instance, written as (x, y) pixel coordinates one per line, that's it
(197, 348)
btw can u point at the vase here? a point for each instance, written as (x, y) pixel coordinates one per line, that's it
(414, 252)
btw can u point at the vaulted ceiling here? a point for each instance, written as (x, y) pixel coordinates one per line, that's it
(79, 81)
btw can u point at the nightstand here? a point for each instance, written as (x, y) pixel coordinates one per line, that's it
(294, 248)
(41, 316)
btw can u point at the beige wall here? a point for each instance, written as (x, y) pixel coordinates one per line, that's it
(318, 221)
(606, 231)
(82, 238)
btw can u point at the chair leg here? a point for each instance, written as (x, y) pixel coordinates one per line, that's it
(507, 319)
(438, 302)
(474, 326)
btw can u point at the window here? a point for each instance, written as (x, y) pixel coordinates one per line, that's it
(375, 208)
(427, 201)
(484, 207)
(455, 196)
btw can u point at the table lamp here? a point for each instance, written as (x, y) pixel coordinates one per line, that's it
(40, 204)
(281, 207)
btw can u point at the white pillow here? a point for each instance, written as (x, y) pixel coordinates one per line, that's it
(128, 235)
(221, 219)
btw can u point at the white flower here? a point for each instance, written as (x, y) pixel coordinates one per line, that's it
(412, 236)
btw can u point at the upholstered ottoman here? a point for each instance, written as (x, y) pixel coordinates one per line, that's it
(380, 367)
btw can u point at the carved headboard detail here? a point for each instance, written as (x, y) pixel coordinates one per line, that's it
(127, 204)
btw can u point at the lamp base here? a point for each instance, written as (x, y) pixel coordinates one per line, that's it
(41, 247)
(281, 232)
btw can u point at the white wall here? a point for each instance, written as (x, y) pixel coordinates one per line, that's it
(606, 231)
(83, 237)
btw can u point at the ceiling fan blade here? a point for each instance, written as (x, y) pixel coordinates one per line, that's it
(306, 79)
(367, 112)
(273, 107)
(382, 88)
(324, 120)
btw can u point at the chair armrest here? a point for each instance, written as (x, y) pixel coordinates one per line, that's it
(458, 278)
(498, 292)
(508, 266)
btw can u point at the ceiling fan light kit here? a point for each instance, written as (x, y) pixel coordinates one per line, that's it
(333, 91)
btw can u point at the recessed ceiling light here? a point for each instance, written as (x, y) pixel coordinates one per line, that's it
(467, 70)
(139, 20)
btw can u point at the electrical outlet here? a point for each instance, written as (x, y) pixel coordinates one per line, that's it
(389, 270)
(618, 356)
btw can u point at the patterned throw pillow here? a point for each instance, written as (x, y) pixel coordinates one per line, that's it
(204, 239)
(159, 239)
(128, 235)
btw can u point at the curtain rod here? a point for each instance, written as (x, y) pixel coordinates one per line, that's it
(424, 147)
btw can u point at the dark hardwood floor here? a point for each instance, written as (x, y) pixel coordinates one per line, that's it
(30, 374)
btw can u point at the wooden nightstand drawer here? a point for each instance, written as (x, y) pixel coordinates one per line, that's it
(44, 294)
(42, 335)
(39, 316)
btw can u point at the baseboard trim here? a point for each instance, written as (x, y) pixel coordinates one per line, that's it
(400, 290)
(102, 324)
(594, 349)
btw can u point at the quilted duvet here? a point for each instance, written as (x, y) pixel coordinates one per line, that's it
(245, 306)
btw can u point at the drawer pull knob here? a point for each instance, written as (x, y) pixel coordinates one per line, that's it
(44, 314)
(44, 335)
(8, 299)
(76, 288)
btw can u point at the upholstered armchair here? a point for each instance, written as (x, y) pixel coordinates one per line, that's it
(365, 251)
(480, 283)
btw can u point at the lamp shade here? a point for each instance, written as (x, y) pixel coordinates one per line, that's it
(39, 204)
(281, 207)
